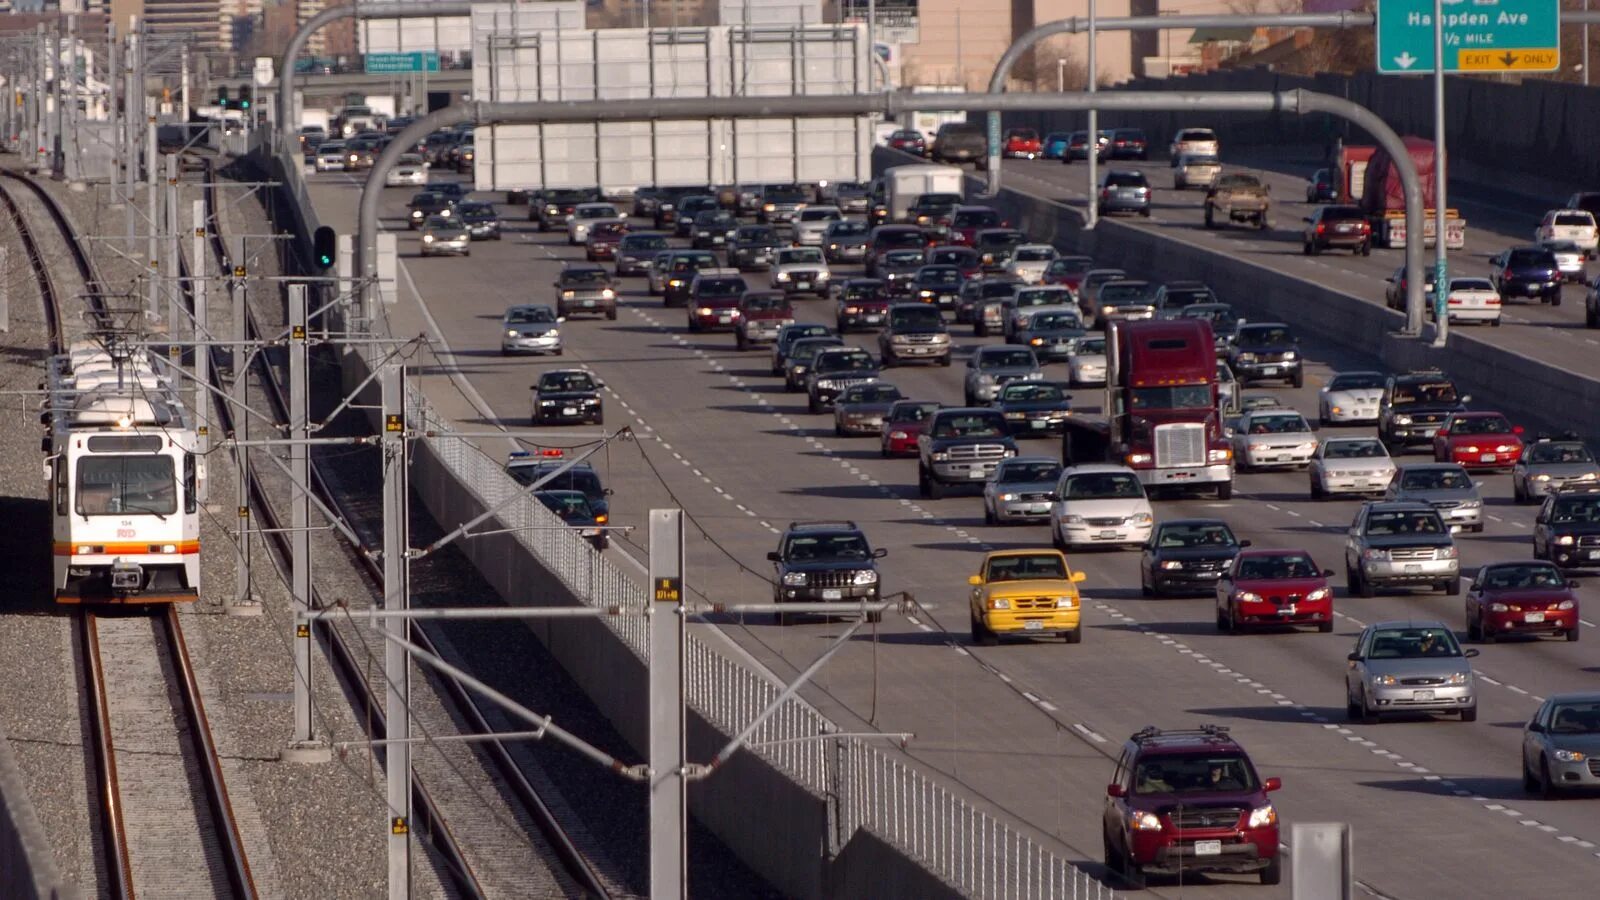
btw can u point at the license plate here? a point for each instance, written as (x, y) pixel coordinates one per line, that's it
(1533, 618)
(976, 473)
(1422, 695)
(832, 594)
(717, 240)
(1486, 457)
(1269, 370)
(1038, 423)
(1207, 848)
(803, 285)
(1594, 554)
(724, 320)
(1032, 626)
(569, 411)
(588, 304)
(1108, 535)
(1413, 569)
(1287, 610)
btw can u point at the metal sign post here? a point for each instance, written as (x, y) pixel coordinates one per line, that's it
(668, 809)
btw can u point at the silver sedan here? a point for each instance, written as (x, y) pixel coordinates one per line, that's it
(1547, 465)
(1273, 438)
(1560, 744)
(1350, 465)
(1020, 490)
(1409, 667)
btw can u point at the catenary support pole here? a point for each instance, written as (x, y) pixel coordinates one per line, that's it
(200, 290)
(70, 163)
(177, 316)
(155, 216)
(243, 596)
(1091, 205)
(303, 745)
(396, 662)
(114, 106)
(668, 822)
(890, 105)
(1441, 266)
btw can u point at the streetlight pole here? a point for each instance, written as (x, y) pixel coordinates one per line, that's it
(1441, 285)
(1586, 46)
(1091, 212)
(1061, 76)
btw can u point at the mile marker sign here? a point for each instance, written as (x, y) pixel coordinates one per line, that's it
(1479, 36)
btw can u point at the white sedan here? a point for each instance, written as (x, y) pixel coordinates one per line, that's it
(410, 170)
(1273, 438)
(1349, 398)
(1086, 360)
(1350, 465)
(1472, 300)
(1029, 261)
(585, 215)
(1100, 504)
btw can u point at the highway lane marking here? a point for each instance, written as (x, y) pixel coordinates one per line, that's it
(1088, 732)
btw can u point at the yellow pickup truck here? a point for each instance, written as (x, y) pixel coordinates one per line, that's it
(1029, 593)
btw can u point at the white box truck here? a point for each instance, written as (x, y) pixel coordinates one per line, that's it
(904, 184)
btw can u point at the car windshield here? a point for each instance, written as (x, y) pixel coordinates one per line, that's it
(1570, 510)
(819, 215)
(903, 258)
(1193, 774)
(720, 287)
(596, 211)
(1000, 239)
(799, 255)
(975, 218)
(1199, 534)
(1356, 381)
(942, 276)
(1068, 266)
(804, 350)
(847, 228)
(756, 233)
(918, 317)
(1032, 392)
(1090, 346)
(860, 289)
(854, 361)
(970, 425)
(1357, 449)
(765, 302)
(897, 238)
(1054, 321)
(585, 276)
(912, 412)
(566, 504)
(1117, 294)
(1576, 717)
(1523, 576)
(1536, 259)
(991, 289)
(1404, 522)
(1177, 298)
(1188, 396)
(566, 381)
(1125, 179)
(787, 194)
(692, 263)
(1424, 392)
(1028, 472)
(1480, 425)
(793, 333)
(1581, 219)
(644, 242)
(1277, 566)
(581, 480)
(1559, 453)
(1196, 159)
(1034, 254)
(1044, 297)
(1343, 212)
(1031, 566)
(530, 314)
(872, 393)
(1278, 423)
(1102, 486)
(1413, 643)
(819, 547)
(1471, 284)
(1218, 316)
(1004, 358)
(476, 208)
(1267, 336)
(608, 229)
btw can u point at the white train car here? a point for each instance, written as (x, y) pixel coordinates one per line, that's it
(124, 480)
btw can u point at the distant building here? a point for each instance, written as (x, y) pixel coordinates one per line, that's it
(203, 22)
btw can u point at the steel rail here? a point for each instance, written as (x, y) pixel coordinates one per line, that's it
(118, 868)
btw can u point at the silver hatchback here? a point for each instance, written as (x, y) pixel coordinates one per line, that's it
(1409, 667)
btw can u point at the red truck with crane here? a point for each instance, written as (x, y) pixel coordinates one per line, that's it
(1160, 417)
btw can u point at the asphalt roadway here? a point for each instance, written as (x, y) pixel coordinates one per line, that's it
(1436, 805)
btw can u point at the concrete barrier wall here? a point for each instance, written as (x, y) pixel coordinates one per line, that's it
(27, 863)
(870, 867)
(1537, 394)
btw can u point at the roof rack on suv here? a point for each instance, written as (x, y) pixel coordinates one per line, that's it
(1435, 370)
(1208, 732)
(823, 523)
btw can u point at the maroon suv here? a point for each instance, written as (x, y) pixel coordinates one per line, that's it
(1189, 801)
(762, 314)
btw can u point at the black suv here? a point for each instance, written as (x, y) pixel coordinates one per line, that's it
(1263, 350)
(835, 369)
(567, 396)
(526, 468)
(825, 562)
(1413, 407)
(680, 275)
(1527, 272)
(1567, 529)
(425, 204)
(555, 206)
(752, 247)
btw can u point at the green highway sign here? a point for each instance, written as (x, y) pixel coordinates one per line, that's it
(1479, 36)
(401, 63)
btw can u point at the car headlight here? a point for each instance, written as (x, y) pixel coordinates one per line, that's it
(1172, 564)
(768, 207)
(1587, 476)
(940, 456)
(676, 282)
(1504, 448)
(1222, 455)
(1262, 816)
(512, 334)
(1318, 594)
(1065, 603)
(1141, 519)
(833, 246)
(1566, 604)
(794, 579)
(1288, 356)
(1139, 459)
(703, 311)
(1383, 680)
(782, 276)
(1247, 597)
(823, 275)
(1374, 553)
(1449, 552)
(941, 339)
(1036, 342)
(1570, 756)
(1306, 445)
(1498, 607)
(568, 295)
(1402, 420)
(1072, 520)
(608, 294)
(925, 294)
(1566, 540)
(1247, 357)
(1016, 415)
(427, 239)
(1543, 477)
(1143, 821)
(1472, 504)
(1457, 678)
(898, 436)
(866, 576)
(1007, 498)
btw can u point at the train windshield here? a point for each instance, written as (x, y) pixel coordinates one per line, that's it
(118, 485)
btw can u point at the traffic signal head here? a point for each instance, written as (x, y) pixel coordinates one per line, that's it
(246, 94)
(324, 247)
(222, 96)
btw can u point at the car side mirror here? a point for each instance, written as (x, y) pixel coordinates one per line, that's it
(880, 553)
(1572, 583)
(1115, 790)
(975, 580)
(1536, 727)
(1243, 544)
(560, 319)
(1354, 657)
(1273, 784)
(1539, 519)
(44, 444)
(1078, 577)
(606, 493)
(1466, 398)
(1306, 220)
(599, 384)
(774, 556)
(1327, 573)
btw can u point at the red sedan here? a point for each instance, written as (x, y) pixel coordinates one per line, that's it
(1274, 587)
(1478, 440)
(1023, 143)
(1521, 598)
(909, 142)
(902, 424)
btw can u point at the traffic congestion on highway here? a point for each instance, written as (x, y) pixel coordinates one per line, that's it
(1218, 576)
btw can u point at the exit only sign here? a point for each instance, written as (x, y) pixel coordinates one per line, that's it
(1479, 36)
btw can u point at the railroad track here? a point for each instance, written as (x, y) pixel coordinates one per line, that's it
(168, 826)
(523, 797)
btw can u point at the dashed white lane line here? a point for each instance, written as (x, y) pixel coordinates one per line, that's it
(1088, 732)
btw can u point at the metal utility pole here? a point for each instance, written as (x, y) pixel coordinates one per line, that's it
(243, 596)
(1586, 46)
(176, 325)
(303, 745)
(40, 119)
(58, 85)
(113, 107)
(70, 167)
(1091, 207)
(199, 289)
(668, 867)
(1441, 266)
(183, 86)
(396, 662)
(1061, 76)
(153, 210)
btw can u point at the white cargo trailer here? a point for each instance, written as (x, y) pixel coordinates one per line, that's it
(904, 184)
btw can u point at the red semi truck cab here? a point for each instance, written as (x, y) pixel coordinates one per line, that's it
(1160, 416)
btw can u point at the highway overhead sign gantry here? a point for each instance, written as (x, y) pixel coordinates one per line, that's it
(401, 63)
(1479, 36)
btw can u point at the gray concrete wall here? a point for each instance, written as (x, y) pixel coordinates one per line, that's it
(27, 863)
(870, 867)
